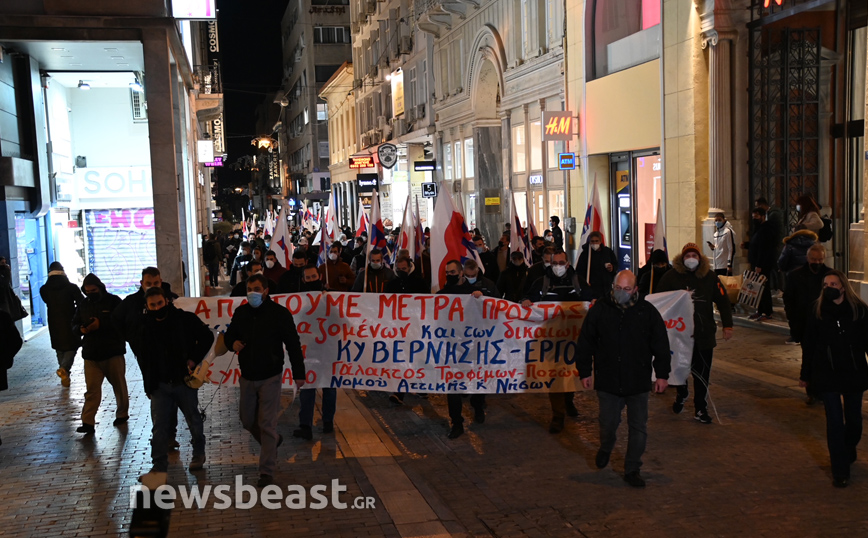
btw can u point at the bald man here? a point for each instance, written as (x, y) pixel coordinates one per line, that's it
(623, 337)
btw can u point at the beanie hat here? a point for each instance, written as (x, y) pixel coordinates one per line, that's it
(690, 246)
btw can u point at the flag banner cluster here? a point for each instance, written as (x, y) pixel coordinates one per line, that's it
(438, 343)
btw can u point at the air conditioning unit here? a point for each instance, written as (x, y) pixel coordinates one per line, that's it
(410, 115)
(405, 46)
(356, 27)
(381, 122)
(384, 62)
(307, 163)
(420, 111)
(357, 83)
(400, 127)
(366, 140)
(373, 71)
(370, 7)
(297, 57)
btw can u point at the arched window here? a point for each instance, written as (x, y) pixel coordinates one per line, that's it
(623, 33)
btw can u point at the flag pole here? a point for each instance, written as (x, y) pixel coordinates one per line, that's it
(322, 241)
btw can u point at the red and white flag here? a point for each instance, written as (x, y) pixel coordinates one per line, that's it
(376, 230)
(531, 227)
(362, 222)
(450, 239)
(593, 216)
(407, 237)
(518, 239)
(280, 241)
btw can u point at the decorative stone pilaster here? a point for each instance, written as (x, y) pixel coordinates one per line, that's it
(720, 122)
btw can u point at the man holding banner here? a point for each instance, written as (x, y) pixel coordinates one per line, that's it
(619, 337)
(258, 333)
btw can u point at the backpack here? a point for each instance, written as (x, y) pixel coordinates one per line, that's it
(825, 233)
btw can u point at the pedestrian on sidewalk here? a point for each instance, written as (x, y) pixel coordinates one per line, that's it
(722, 245)
(174, 342)
(761, 254)
(102, 349)
(62, 297)
(259, 331)
(623, 337)
(212, 255)
(692, 271)
(833, 363)
(12, 343)
(795, 251)
(804, 286)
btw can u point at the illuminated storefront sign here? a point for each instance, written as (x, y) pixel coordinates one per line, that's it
(362, 162)
(566, 161)
(557, 126)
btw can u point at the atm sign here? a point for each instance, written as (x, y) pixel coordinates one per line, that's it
(558, 126)
(566, 161)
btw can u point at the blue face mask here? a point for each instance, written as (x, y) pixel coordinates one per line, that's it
(471, 280)
(719, 224)
(254, 299)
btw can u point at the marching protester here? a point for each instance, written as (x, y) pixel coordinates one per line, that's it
(212, 255)
(692, 271)
(103, 351)
(293, 278)
(239, 267)
(457, 284)
(339, 277)
(478, 280)
(559, 284)
(539, 269)
(405, 280)
(12, 343)
(651, 278)
(834, 366)
(273, 268)
(622, 325)
(132, 310)
(253, 268)
(722, 245)
(259, 331)
(596, 265)
(360, 254)
(488, 258)
(804, 285)
(307, 397)
(538, 245)
(174, 342)
(62, 297)
(512, 281)
(374, 278)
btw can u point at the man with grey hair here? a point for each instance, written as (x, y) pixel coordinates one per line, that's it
(623, 337)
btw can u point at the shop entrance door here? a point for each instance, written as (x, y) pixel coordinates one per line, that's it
(636, 187)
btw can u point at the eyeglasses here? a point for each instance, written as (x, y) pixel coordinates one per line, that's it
(626, 288)
(559, 263)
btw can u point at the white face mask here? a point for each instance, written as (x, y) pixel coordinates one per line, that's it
(691, 263)
(269, 264)
(595, 246)
(333, 256)
(798, 207)
(559, 270)
(376, 266)
(547, 264)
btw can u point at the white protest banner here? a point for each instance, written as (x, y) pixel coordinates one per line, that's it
(676, 308)
(429, 343)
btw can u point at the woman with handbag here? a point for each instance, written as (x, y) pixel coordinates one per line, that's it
(833, 365)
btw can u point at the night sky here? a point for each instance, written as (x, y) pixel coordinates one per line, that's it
(252, 65)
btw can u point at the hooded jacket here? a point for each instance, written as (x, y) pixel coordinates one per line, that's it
(511, 283)
(274, 273)
(104, 342)
(61, 297)
(803, 288)
(128, 315)
(833, 350)
(623, 345)
(601, 278)
(795, 253)
(707, 289)
(723, 240)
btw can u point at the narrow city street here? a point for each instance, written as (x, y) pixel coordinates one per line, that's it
(760, 470)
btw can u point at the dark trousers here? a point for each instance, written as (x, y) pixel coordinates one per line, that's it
(477, 401)
(611, 407)
(213, 273)
(843, 429)
(165, 402)
(559, 403)
(700, 367)
(721, 272)
(308, 401)
(765, 302)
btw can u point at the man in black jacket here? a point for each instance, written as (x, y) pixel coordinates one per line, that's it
(557, 233)
(62, 297)
(559, 284)
(291, 281)
(488, 258)
(376, 276)
(512, 281)
(478, 280)
(259, 331)
(601, 272)
(804, 286)
(762, 255)
(239, 266)
(405, 280)
(103, 352)
(174, 342)
(253, 268)
(129, 314)
(620, 335)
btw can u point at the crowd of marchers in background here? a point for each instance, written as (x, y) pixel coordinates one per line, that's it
(623, 338)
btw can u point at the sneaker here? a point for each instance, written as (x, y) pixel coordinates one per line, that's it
(678, 406)
(174, 445)
(764, 317)
(86, 428)
(634, 479)
(479, 415)
(303, 432)
(556, 425)
(64, 376)
(791, 342)
(456, 431)
(328, 427)
(602, 458)
(571, 409)
(395, 399)
(197, 463)
(755, 316)
(120, 421)
(702, 416)
(265, 480)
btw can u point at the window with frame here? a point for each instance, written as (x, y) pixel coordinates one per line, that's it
(447, 161)
(518, 149)
(610, 21)
(536, 145)
(322, 111)
(468, 158)
(457, 160)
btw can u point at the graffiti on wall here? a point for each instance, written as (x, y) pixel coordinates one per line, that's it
(121, 243)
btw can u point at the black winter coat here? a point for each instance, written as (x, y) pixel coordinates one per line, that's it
(12, 343)
(291, 280)
(265, 331)
(407, 284)
(623, 345)
(61, 297)
(601, 278)
(167, 345)
(105, 342)
(762, 248)
(802, 290)
(129, 315)
(833, 350)
(550, 288)
(512, 282)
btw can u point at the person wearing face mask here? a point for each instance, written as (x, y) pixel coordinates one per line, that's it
(374, 278)
(596, 265)
(761, 256)
(339, 277)
(501, 252)
(623, 325)
(539, 269)
(102, 349)
(795, 252)
(557, 233)
(292, 279)
(259, 332)
(559, 284)
(692, 271)
(804, 285)
(722, 245)
(61, 297)
(266, 242)
(477, 279)
(253, 268)
(405, 280)
(359, 255)
(809, 214)
(511, 283)
(239, 267)
(834, 365)
(259, 254)
(273, 269)
(650, 281)
(538, 244)
(174, 342)
(488, 258)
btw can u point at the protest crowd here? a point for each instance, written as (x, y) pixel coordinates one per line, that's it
(622, 351)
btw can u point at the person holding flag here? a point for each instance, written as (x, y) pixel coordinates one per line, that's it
(450, 239)
(376, 273)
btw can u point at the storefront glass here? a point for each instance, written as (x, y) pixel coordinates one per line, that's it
(636, 184)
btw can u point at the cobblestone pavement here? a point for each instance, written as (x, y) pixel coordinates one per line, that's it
(762, 470)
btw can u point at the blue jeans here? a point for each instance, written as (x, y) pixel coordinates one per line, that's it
(165, 402)
(843, 429)
(611, 406)
(307, 398)
(65, 359)
(260, 407)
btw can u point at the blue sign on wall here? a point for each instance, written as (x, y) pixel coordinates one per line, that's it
(566, 161)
